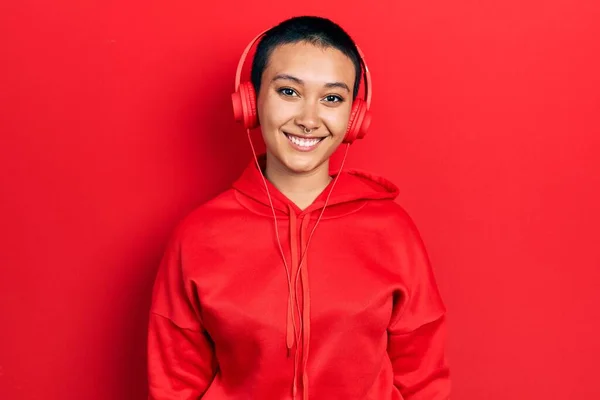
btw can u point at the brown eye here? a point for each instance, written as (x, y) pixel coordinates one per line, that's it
(287, 91)
(333, 99)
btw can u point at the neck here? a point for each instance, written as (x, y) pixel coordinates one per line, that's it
(301, 188)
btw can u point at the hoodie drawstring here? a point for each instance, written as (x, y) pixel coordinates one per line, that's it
(291, 331)
(306, 306)
(304, 339)
(290, 317)
(292, 300)
(292, 296)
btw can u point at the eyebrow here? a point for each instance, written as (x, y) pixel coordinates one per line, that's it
(299, 81)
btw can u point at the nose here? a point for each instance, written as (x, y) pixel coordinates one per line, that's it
(308, 116)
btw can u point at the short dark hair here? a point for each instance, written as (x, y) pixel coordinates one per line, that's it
(312, 29)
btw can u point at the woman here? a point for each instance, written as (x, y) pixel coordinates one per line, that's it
(253, 301)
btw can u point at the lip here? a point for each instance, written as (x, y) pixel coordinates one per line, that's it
(304, 137)
(301, 148)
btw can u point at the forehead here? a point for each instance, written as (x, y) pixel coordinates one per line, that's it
(311, 63)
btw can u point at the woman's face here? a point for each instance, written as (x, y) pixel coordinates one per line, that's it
(304, 86)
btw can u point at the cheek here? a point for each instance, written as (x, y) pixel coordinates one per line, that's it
(274, 113)
(337, 121)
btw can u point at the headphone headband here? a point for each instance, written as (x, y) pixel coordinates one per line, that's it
(367, 74)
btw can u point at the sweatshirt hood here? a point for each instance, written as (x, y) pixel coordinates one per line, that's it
(352, 189)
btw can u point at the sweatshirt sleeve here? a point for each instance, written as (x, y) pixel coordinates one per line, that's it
(417, 331)
(181, 359)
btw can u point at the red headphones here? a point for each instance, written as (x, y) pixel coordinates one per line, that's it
(244, 101)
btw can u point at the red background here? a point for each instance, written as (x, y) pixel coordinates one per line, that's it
(114, 116)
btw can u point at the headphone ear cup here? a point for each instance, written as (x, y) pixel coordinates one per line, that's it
(359, 122)
(244, 105)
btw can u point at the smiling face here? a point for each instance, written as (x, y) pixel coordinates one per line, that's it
(304, 86)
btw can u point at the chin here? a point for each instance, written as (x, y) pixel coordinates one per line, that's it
(302, 163)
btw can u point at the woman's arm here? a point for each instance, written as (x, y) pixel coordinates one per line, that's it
(417, 332)
(181, 359)
(420, 368)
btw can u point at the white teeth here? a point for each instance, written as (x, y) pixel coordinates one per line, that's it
(303, 142)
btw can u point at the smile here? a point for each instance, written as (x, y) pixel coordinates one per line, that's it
(303, 144)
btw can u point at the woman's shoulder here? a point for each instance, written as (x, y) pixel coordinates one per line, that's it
(208, 216)
(391, 214)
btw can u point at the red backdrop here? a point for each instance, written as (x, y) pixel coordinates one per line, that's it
(116, 121)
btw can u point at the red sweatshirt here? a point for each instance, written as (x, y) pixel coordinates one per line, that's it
(362, 319)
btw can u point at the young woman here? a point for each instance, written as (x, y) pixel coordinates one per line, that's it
(298, 283)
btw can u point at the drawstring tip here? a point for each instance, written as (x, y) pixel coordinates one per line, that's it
(305, 386)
